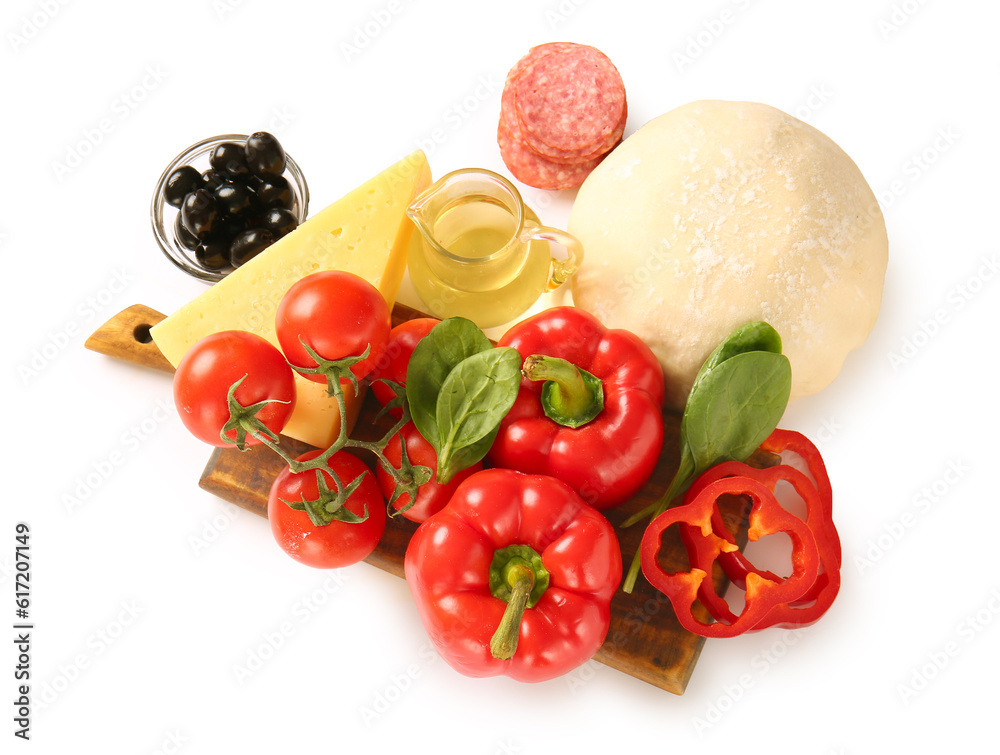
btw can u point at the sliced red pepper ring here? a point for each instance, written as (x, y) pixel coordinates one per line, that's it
(767, 516)
(781, 441)
(818, 498)
(814, 602)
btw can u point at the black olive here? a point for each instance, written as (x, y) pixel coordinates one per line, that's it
(213, 255)
(230, 159)
(228, 228)
(187, 239)
(199, 213)
(180, 183)
(280, 221)
(275, 192)
(264, 155)
(234, 199)
(248, 245)
(212, 180)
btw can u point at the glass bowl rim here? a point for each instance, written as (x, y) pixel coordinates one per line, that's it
(165, 238)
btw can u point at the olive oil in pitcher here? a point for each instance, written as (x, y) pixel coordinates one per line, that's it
(481, 253)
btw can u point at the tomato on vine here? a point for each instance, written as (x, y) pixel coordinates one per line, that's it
(327, 518)
(432, 496)
(403, 339)
(236, 383)
(333, 316)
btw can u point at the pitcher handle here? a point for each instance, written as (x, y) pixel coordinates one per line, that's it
(560, 271)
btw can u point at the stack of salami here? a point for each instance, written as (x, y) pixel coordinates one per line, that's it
(563, 109)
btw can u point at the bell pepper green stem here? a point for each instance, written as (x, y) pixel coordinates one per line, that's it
(517, 576)
(570, 397)
(521, 579)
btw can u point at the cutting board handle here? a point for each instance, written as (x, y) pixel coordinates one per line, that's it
(126, 336)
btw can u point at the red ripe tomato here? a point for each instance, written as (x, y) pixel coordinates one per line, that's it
(209, 369)
(392, 366)
(338, 314)
(333, 545)
(432, 496)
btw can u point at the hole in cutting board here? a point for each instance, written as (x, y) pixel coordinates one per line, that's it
(141, 334)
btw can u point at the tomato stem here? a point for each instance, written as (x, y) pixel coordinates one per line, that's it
(408, 477)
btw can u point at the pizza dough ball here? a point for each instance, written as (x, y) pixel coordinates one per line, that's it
(719, 213)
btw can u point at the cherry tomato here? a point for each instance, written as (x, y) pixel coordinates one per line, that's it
(338, 315)
(432, 496)
(392, 366)
(208, 370)
(333, 545)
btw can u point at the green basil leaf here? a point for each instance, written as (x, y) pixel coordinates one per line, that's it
(463, 458)
(738, 404)
(475, 397)
(754, 336)
(449, 343)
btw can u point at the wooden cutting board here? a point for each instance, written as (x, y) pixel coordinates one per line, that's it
(645, 639)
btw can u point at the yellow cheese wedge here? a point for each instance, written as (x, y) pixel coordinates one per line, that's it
(366, 233)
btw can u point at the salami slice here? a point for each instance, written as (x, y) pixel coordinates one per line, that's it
(534, 170)
(507, 111)
(569, 101)
(596, 102)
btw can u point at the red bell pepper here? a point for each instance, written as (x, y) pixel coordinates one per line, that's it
(763, 593)
(514, 576)
(588, 411)
(817, 496)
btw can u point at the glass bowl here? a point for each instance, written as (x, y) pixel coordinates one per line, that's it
(164, 215)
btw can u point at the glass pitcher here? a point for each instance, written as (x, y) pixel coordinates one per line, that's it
(481, 253)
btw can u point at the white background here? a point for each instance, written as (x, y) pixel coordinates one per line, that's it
(148, 593)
